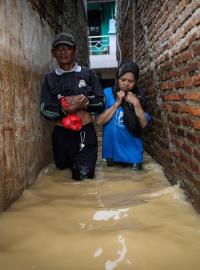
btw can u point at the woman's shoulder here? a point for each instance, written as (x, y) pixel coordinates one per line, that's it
(107, 90)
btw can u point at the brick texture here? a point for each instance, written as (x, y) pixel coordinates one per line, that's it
(166, 38)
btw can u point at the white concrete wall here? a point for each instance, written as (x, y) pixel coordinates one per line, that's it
(27, 28)
(104, 61)
(24, 56)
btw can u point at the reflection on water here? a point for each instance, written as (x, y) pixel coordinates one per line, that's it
(121, 220)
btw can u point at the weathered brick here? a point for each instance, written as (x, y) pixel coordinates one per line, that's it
(168, 65)
(167, 85)
(179, 84)
(178, 143)
(177, 154)
(183, 108)
(185, 56)
(175, 108)
(196, 154)
(195, 166)
(183, 158)
(188, 82)
(197, 80)
(194, 111)
(177, 120)
(193, 66)
(190, 24)
(196, 49)
(194, 36)
(192, 95)
(186, 122)
(169, 75)
(187, 148)
(178, 60)
(182, 72)
(196, 124)
(173, 130)
(173, 97)
(168, 107)
(192, 137)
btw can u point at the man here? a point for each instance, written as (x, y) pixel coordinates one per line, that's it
(69, 95)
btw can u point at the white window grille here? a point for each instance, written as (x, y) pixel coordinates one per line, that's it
(99, 45)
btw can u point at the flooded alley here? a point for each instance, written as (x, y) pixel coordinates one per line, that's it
(121, 220)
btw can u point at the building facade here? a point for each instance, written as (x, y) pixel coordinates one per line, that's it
(102, 39)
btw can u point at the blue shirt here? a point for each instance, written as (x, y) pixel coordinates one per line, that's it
(118, 143)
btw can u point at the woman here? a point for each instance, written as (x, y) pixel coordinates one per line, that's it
(123, 119)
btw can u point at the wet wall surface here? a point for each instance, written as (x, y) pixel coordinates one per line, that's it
(122, 219)
(27, 29)
(24, 56)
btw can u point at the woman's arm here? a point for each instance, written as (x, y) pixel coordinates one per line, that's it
(108, 113)
(141, 116)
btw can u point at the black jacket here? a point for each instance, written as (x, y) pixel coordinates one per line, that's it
(67, 84)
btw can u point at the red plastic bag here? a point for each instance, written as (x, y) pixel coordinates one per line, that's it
(64, 103)
(72, 122)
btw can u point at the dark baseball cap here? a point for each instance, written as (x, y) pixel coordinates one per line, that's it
(63, 38)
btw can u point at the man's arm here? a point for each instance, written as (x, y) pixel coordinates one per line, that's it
(50, 107)
(97, 100)
(73, 104)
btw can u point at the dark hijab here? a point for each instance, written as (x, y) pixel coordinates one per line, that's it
(131, 120)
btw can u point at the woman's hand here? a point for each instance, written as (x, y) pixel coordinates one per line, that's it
(108, 113)
(133, 99)
(119, 97)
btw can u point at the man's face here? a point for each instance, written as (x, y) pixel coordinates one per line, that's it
(64, 54)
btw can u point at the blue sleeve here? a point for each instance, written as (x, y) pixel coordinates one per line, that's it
(109, 98)
(148, 118)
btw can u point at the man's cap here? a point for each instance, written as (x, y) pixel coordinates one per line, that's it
(63, 38)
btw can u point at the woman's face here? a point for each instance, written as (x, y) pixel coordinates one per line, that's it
(127, 82)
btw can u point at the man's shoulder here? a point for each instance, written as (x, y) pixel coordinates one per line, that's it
(50, 78)
(86, 69)
(50, 74)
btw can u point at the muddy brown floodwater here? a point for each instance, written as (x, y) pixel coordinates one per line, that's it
(121, 220)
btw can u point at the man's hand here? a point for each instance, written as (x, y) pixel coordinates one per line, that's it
(76, 103)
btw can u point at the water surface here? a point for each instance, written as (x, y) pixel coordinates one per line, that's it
(121, 220)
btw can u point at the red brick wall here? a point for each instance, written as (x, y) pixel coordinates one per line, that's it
(167, 47)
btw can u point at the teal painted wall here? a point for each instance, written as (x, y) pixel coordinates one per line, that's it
(107, 12)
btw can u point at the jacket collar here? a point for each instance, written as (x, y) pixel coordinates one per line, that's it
(60, 71)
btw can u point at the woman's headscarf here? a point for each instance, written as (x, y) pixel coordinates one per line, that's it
(128, 66)
(131, 120)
